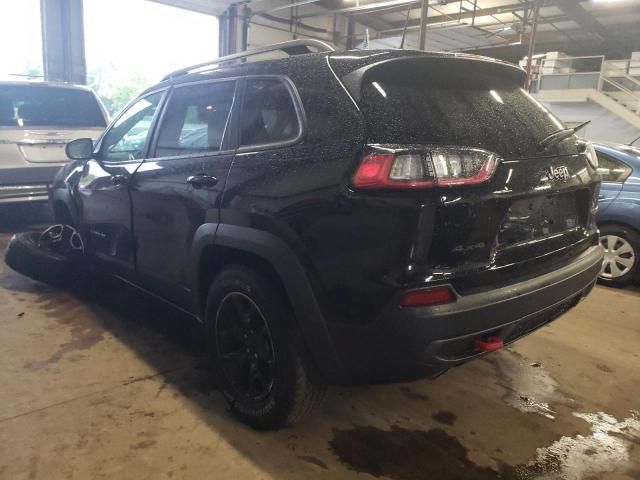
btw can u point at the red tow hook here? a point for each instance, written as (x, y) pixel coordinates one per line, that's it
(491, 344)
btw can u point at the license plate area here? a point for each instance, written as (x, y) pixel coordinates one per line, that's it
(535, 218)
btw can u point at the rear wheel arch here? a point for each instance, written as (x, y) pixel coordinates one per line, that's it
(217, 246)
(63, 206)
(214, 258)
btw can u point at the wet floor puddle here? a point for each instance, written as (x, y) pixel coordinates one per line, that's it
(407, 454)
(529, 387)
(605, 450)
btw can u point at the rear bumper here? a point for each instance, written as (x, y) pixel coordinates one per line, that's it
(18, 185)
(406, 343)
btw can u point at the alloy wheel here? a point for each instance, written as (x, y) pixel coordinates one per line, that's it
(245, 347)
(619, 257)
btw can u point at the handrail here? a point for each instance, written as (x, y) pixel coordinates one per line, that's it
(571, 73)
(573, 63)
(619, 87)
(623, 89)
(608, 65)
(576, 58)
(626, 76)
(293, 47)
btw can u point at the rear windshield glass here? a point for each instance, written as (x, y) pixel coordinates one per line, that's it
(35, 106)
(449, 103)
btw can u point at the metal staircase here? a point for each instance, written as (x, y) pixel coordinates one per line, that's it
(610, 83)
(621, 87)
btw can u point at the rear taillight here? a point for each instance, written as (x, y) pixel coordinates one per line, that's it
(428, 296)
(390, 170)
(424, 168)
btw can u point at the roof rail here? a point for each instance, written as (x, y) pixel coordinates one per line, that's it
(293, 47)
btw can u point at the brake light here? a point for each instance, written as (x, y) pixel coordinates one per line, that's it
(391, 171)
(424, 168)
(428, 296)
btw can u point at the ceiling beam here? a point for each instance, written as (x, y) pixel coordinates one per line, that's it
(577, 13)
(547, 41)
(195, 6)
(464, 15)
(374, 22)
(368, 20)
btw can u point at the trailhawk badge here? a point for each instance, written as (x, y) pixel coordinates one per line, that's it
(558, 173)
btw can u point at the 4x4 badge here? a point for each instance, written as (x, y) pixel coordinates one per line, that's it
(558, 173)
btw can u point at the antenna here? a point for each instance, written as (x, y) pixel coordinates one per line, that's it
(634, 140)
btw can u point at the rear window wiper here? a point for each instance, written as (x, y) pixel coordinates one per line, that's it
(559, 135)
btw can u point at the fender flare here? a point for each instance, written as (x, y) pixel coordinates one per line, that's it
(62, 195)
(298, 289)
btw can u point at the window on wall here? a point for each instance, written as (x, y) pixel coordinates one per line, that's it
(20, 38)
(195, 119)
(612, 170)
(268, 113)
(128, 47)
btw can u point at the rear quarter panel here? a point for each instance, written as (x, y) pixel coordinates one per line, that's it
(299, 193)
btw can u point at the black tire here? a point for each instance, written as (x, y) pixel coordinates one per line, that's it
(632, 238)
(295, 388)
(25, 255)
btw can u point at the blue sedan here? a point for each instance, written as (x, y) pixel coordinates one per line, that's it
(619, 212)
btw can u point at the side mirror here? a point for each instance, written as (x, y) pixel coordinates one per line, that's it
(80, 149)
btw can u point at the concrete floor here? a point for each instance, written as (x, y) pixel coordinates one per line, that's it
(109, 385)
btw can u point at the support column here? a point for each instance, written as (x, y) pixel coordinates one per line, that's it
(351, 32)
(223, 34)
(424, 13)
(63, 41)
(232, 29)
(532, 41)
(246, 17)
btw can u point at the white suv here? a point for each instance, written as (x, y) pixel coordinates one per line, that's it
(37, 120)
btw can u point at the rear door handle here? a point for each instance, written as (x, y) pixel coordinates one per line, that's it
(202, 181)
(118, 179)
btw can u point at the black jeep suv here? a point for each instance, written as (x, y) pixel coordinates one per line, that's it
(353, 217)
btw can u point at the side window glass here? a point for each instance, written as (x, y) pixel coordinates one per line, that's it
(268, 113)
(195, 119)
(612, 170)
(127, 137)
